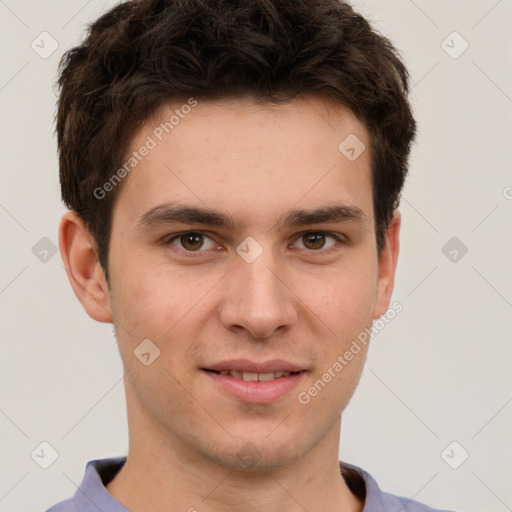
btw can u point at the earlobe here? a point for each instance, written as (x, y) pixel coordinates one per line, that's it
(84, 271)
(387, 266)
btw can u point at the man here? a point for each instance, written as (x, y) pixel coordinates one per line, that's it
(233, 171)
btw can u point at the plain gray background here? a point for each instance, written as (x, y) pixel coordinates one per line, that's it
(438, 373)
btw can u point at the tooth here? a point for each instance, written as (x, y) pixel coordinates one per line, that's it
(251, 376)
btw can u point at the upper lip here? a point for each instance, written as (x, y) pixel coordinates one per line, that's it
(245, 365)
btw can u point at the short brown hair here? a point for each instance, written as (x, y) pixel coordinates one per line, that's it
(143, 53)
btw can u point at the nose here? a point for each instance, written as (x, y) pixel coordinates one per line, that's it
(257, 298)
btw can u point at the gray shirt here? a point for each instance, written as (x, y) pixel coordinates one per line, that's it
(92, 496)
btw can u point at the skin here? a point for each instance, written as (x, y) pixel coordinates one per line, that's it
(295, 302)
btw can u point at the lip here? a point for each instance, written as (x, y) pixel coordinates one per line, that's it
(245, 365)
(263, 392)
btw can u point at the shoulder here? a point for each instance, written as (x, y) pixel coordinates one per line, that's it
(64, 506)
(399, 503)
(364, 486)
(92, 495)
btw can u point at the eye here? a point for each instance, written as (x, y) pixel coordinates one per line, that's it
(316, 240)
(191, 241)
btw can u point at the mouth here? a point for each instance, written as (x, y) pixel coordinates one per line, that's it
(251, 376)
(262, 382)
(255, 387)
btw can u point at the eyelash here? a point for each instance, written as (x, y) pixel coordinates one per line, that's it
(194, 254)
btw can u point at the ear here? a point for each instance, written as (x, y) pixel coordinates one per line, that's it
(79, 254)
(387, 266)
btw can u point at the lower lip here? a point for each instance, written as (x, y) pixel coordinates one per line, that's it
(255, 391)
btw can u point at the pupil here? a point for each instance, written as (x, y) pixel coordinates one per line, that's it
(317, 240)
(191, 241)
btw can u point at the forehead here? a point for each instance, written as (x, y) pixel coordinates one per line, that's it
(249, 157)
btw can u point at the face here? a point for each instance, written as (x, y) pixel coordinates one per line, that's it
(279, 264)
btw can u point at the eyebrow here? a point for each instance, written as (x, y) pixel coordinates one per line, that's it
(168, 213)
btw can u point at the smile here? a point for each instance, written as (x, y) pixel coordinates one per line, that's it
(251, 376)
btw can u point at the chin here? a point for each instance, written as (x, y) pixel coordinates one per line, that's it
(255, 454)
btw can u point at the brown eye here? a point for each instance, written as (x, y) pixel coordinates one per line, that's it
(192, 241)
(314, 240)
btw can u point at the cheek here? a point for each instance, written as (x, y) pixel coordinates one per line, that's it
(342, 299)
(159, 304)
(139, 309)
(144, 289)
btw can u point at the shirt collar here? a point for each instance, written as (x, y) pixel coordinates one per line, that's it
(92, 496)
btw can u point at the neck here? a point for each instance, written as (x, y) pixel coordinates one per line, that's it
(162, 473)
